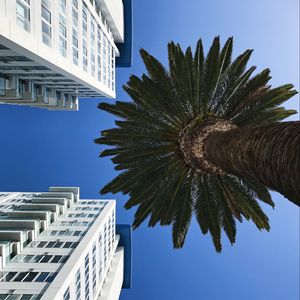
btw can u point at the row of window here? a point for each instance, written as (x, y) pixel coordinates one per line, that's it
(87, 276)
(63, 232)
(72, 223)
(87, 208)
(55, 244)
(42, 258)
(82, 215)
(92, 202)
(27, 276)
(19, 297)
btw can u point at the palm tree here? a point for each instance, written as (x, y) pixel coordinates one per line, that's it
(203, 137)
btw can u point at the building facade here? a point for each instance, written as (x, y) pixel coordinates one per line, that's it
(54, 245)
(52, 52)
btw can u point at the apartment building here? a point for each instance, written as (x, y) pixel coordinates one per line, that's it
(54, 245)
(53, 52)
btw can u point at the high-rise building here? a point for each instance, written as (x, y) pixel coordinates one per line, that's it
(56, 246)
(52, 52)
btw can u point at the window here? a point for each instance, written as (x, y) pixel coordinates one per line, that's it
(67, 294)
(75, 31)
(75, 47)
(46, 22)
(62, 6)
(62, 40)
(78, 285)
(84, 55)
(62, 28)
(46, 277)
(27, 276)
(84, 20)
(92, 41)
(87, 276)
(104, 56)
(45, 259)
(20, 276)
(19, 296)
(30, 277)
(113, 68)
(100, 253)
(94, 264)
(7, 276)
(23, 14)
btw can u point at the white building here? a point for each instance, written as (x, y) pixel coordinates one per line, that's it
(54, 245)
(54, 51)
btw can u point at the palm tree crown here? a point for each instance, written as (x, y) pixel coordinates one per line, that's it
(149, 148)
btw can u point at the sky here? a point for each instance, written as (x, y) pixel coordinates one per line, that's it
(42, 148)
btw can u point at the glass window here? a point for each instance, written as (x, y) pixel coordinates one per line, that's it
(23, 14)
(46, 258)
(20, 276)
(7, 276)
(62, 30)
(30, 277)
(62, 6)
(46, 22)
(67, 245)
(78, 285)
(46, 15)
(87, 276)
(67, 294)
(42, 277)
(41, 244)
(58, 244)
(50, 244)
(51, 277)
(56, 259)
(94, 267)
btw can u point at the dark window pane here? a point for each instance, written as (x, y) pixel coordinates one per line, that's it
(50, 244)
(42, 277)
(27, 297)
(42, 244)
(58, 244)
(51, 277)
(8, 276)
(64, 259)
(20, 276)
(30, 277)
(37, 258)
(75, 244)
(56, 258)
(67, 245)
(46, 258)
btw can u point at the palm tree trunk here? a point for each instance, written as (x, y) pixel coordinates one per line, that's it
(269, 154)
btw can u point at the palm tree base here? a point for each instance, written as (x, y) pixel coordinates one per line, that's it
(192, 139)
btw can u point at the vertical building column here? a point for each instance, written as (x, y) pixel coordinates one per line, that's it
(10, 9)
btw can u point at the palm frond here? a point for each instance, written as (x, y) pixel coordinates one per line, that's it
(145, 143)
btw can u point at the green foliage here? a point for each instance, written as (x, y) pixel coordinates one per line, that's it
(145, 140)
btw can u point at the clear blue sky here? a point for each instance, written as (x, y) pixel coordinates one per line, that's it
(41, 148)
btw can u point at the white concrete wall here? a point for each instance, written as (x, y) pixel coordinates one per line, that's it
(110, 281)
(30, 43)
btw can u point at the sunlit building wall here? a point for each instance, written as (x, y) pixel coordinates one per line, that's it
(52, 52)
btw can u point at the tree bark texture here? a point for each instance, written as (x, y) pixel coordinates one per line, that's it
(269, 154)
